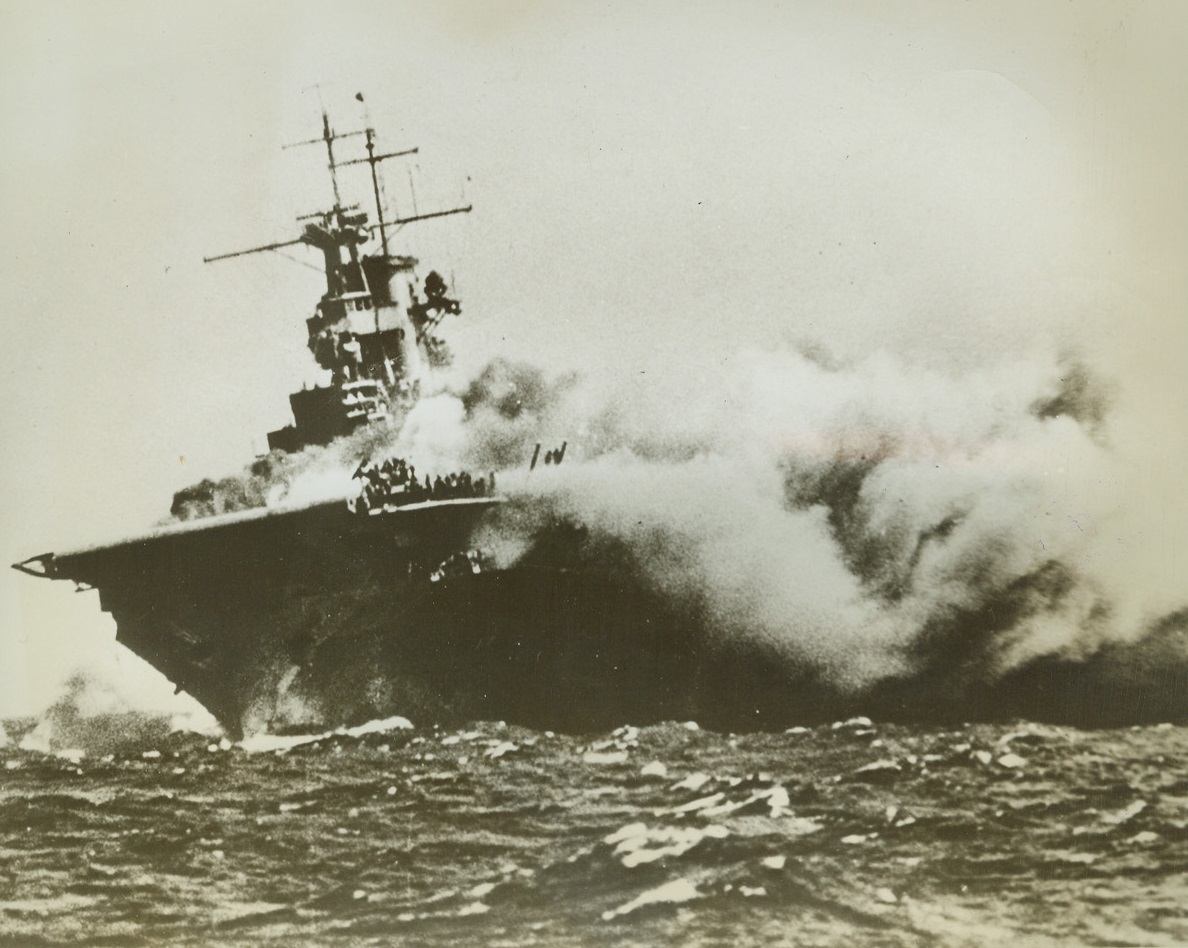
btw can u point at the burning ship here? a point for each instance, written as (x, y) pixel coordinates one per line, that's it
(382, 603)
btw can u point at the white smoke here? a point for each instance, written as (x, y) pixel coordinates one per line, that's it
(846, 516)
(94, 716)
(859, 519)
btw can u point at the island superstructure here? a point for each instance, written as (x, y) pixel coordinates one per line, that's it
(374, 329)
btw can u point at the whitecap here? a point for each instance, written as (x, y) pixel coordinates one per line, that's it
(692, 782)
(381, 726)
(675, 892)
(264, 742)
(637, 844)
(1125, 814)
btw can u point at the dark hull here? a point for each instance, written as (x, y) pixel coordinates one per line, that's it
(317, 617)
(320, 617)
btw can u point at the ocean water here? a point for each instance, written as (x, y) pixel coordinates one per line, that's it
(853, 833)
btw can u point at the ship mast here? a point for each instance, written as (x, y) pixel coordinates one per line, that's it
(373, 159)
(379, 205)
(372, 370)
(329, 137)
(337, 214)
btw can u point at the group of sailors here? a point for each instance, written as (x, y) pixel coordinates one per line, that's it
(396, 482)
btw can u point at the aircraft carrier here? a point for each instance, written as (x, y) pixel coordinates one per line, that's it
(380, 601)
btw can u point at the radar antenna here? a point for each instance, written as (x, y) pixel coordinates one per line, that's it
(339, 214)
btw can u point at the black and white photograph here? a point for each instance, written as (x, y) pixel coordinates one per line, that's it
(538, 473)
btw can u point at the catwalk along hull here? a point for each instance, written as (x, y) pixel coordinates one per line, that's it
(320, 616)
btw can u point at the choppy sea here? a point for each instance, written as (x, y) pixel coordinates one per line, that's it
(851, 833)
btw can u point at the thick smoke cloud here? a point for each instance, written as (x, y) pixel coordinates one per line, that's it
(91, 718)
(315, 473)
(871, 523)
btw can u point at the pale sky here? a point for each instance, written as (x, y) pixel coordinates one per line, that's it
(657, 187)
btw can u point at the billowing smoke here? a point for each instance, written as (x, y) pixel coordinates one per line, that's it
(265, 480)
(91, 718)
(315, 473)
(872, 522)
(485, 425)
(877, 525)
